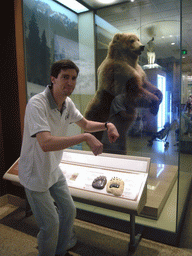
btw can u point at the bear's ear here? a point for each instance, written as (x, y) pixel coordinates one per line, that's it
(117, 37)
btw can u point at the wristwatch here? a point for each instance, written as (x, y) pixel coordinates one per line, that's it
(106, 125)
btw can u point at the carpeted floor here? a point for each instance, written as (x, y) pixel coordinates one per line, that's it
(18, 238)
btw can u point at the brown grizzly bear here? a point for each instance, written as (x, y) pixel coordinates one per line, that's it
(120, 74)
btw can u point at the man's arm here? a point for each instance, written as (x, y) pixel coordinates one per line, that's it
(53, 143)
(91, 126)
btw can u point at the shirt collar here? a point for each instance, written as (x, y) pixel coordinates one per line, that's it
(50, 98)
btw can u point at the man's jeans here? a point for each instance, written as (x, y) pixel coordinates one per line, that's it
(56, 224)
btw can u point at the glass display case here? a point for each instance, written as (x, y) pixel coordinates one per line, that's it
(53, 32)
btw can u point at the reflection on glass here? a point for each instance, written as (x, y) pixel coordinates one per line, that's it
(161, 85)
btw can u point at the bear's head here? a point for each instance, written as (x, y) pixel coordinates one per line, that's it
(126, 43)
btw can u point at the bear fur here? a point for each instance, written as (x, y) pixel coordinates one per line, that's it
(120, 74)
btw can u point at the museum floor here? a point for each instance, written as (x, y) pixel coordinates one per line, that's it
(18, 237)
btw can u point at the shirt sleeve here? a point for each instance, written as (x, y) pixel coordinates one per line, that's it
(117, 105)
(75, 114)
(36, 118)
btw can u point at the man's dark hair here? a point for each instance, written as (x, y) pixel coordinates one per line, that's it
(62, 65)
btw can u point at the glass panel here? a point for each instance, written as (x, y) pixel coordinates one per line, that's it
(146, 133)
(186, 113)
(52, 32)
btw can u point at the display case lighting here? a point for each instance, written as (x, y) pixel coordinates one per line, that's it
(73, 5)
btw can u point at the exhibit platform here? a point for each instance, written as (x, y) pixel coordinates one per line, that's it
(160, 182)
(160, 213)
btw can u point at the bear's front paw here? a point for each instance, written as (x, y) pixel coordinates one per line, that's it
(154, 107)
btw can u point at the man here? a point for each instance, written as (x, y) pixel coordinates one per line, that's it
(47, 117)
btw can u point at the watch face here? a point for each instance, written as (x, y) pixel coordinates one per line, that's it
(99, 182)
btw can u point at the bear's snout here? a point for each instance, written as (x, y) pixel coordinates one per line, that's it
(142, 47)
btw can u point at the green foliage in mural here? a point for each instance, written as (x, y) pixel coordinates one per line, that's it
(38, 55)
(49, 35)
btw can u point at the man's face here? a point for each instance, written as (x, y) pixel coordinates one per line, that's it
(65, 82)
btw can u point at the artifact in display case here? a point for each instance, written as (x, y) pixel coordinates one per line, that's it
(99, 182)
(115, 186)
(126, 188)
(150, 51)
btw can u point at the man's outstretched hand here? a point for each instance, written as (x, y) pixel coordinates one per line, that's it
(95, 145)
(112, 132)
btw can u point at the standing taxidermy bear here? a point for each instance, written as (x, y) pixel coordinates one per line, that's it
(122, 86)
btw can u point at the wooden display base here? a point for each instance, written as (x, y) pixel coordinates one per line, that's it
(160, 182)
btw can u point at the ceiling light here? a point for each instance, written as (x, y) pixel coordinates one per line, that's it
(172, 43)
(73, 5)
(106, 1)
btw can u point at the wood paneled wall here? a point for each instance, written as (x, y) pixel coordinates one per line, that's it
(12, 89)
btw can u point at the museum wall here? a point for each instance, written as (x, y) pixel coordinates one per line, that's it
(10, 128)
